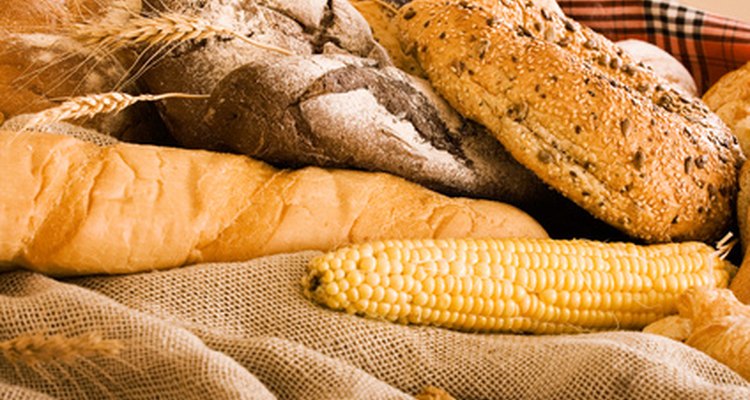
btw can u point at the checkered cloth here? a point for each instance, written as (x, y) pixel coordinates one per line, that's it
(707, 44)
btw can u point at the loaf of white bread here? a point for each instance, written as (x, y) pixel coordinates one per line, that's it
(69, 207)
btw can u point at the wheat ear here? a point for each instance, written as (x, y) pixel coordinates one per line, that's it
(31, 349)
(165, 28)
(94, 104)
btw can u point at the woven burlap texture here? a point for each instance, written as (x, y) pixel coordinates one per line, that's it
(244, 330)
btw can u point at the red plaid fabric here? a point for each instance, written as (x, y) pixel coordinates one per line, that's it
(708, 45)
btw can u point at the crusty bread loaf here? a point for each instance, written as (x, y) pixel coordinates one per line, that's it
(381, 16)
(714, 322)
(346, 112)
(566, 103)
(302, 28)
(740, 285)
(663, 64)
(69, 207)
(729, 98)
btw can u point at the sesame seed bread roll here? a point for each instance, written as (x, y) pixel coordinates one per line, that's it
(69, 207)
(576, 110)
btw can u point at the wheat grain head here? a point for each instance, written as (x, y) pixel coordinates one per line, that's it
(32, 349)
(165, 28)
(94, 104)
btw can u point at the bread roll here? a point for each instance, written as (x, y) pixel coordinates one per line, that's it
(740, 285)
(663, 64)
(69, 207)
(578, 112)
(714, 322)
(729, 98)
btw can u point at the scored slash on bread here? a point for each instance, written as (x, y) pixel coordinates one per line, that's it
(566, 103)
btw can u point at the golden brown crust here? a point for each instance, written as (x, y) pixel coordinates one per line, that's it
(729, 98)
(714, 322)
(73, 208)
(740, 285)
(577, 111)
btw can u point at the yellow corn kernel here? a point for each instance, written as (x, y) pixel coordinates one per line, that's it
(514, 285)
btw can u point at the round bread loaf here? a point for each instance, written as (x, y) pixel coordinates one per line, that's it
(729, 98)
(663, 64)
(740, 285)
(584, 116)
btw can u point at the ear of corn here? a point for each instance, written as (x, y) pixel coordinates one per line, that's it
(514, 285)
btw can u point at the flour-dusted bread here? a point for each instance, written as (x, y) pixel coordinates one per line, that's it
(580, 113)
(69, 207)
(301, 28)
(346, 112)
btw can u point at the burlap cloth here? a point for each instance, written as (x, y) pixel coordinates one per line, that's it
(244, 330)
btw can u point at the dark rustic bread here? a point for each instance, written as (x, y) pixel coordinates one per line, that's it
(303, 28)
(604, 131)
(343, 111)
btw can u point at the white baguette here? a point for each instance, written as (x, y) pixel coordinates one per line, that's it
(69, 207)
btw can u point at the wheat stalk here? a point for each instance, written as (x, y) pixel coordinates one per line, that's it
(31, 349)
(165, 28)
(94, 104)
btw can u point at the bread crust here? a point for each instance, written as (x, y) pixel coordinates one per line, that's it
(663, 64)
(611, 136)
(729, 98)
(70, 207)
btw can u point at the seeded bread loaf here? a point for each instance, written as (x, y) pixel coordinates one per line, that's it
(69, 207)
(603, 130)
(381, 16)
